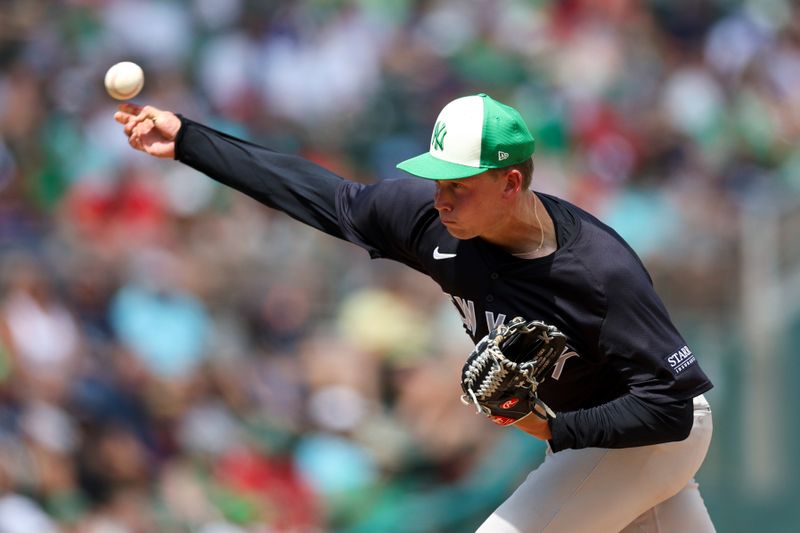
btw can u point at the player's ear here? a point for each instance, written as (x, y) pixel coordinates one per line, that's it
(512, 182)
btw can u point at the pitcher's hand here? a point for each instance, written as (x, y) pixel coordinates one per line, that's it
(149, 129)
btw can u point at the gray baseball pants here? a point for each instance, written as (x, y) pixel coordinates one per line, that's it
(647, 489)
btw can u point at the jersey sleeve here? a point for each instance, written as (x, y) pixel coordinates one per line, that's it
(625, 422)
(658, 369)
(643, 345)
(389, 218)
(639, 341)
(303, 190)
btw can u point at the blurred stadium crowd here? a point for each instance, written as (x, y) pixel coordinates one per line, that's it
(175, 357)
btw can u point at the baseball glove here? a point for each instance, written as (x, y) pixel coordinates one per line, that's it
(501, 375)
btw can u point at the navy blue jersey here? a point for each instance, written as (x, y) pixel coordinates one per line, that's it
(627, 376)
(593, 288)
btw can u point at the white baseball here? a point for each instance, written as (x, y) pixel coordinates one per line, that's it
(124, 80)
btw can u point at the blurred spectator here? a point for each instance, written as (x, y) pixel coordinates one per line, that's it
(157, 320)
(38, 330)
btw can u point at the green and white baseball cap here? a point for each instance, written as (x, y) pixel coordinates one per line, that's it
(473, 134)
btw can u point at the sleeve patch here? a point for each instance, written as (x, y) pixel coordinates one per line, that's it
(680, 360)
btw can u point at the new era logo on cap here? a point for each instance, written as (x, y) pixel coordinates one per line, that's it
(482, 133)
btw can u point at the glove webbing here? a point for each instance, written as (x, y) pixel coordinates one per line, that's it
(501, 367)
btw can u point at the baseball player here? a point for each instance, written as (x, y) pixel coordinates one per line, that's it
(628, 426)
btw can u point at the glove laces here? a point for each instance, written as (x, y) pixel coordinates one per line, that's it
(500, 368)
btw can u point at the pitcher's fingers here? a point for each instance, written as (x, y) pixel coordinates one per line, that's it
(136, 133)
(130, 124)
(130, 108)
(121, 117)
(146, 112)
(131, 114)
(145, 116)
(126, 119)
(135, 141)
(143, 128)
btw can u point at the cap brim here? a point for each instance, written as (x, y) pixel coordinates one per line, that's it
(429, 167)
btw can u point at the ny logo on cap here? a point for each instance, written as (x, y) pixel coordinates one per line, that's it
(437, 140)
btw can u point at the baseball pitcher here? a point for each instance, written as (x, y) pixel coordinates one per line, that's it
(572, 343)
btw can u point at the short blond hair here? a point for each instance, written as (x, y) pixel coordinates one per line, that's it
(525, 168)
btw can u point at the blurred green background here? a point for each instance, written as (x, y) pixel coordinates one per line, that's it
(175, 357)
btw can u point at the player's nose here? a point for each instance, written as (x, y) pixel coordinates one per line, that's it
(440, 203)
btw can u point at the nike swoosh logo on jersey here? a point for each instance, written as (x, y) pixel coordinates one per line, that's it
(439, 255)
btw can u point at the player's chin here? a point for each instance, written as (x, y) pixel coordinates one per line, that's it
(457, 231)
